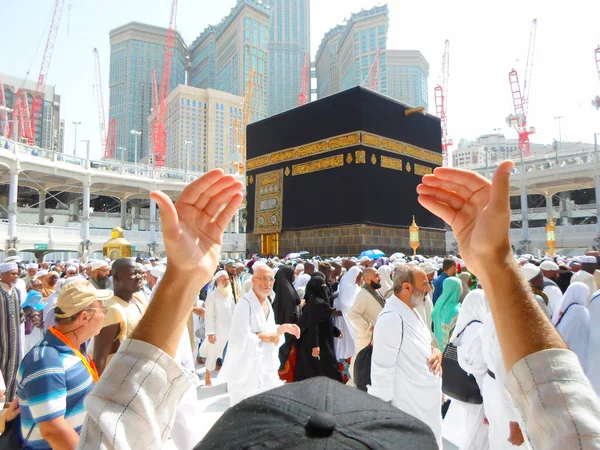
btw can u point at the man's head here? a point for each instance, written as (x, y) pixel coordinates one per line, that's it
(309, 268)
(325, 269)
(239, 268)
(429, 270)
(46, 265)
(100, 273)
(59, 267)
(223, 284)
(262, 280)
(449, 267)
(36, 285)
(337, 269)
(299, 269)
(575, 267)
(32, 270)
(549, 269)
(372, 278)
(588, 264)
(534, 276)
(80, 309)
(411, 285)
(52, 278)
(127, 277)
(9, 273)
(230, 268)
(71, 271)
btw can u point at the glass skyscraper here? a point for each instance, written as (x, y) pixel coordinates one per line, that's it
(136, 50)
(407, 75)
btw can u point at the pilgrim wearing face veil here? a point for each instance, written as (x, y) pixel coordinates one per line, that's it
(315, 355)
(286, 307)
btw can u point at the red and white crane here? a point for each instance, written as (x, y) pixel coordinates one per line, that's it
(108, 141)
(28, 121)
(3, 114)
(373, 74)
(441, 104)
(159, 129)
(596, 101)
(305, 80)
(521, 97)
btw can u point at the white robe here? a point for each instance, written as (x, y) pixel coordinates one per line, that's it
(593, 359)
(554, 295)
(344, 348)
(583, 277)
(399, 370)
(217, 321)
(251, 365)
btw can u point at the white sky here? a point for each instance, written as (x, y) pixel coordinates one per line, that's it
(486, 41)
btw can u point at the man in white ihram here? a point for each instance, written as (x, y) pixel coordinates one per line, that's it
(405, 368)
(254, 339)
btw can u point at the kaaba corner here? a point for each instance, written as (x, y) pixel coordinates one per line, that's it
(339, 175)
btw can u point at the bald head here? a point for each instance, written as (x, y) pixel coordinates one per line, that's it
(372, 278)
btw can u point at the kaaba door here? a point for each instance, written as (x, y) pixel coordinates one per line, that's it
(269, 244)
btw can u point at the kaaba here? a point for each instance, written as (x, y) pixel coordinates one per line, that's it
(338, 176)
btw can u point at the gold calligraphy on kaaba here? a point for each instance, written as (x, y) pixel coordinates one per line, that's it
(401, 148)
(317, 165)
(422, 170)
(268, 203)
(391, 163)
(360, 156)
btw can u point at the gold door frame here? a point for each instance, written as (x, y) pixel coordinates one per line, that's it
(269, 244)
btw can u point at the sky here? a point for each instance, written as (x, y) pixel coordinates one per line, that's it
(487, 39)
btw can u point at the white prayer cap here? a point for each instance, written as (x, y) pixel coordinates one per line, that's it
(32, 266)
(14, 259)
(8, 266)
(300, 267)
(530, 271)
(99, 265)
(548, 265)
(221, 273)
(71, 269)
(158, 271)
(239, 265)
(522, 259)
(353, 259)
(588, 260)
(148, 267)
(428, 268)
(364, 259)
(41, 273)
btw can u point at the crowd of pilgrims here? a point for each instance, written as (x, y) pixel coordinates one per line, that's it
(330, 308)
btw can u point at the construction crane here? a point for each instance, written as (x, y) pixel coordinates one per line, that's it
(108, 140)
(159, 128)
(520, 98)
(3, 114)
(32, 118)
(373, 75)
(304, 80)
(596, 101)
(441, 105)
(239, 128)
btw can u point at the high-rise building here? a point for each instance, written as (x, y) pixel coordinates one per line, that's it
(200, 128)
(221, 57)
(407, 75)
(348, 51)
(47, 125)
(289, 42)
(136, 50)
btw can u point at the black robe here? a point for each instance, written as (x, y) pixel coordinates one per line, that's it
(286, 307)
(317, 330)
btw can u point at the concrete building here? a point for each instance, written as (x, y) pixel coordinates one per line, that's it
(47, 126)
(407, 75)
(136, 50)
(355, 44)
(221, 57)
(289, 41)
(200, 129)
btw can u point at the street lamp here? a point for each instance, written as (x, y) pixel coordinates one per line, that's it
(123, 152)
(414, 237)
(75, 143)
(87, 148)
(187, 154)
(136, 134)
(559, 136)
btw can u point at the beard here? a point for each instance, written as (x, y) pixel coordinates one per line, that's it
(417, 298)
(374, 285)
(225, 291)
(102, 283)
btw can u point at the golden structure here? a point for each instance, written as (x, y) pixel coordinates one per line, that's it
(117, 246)
(414, 237)
(551, 236)
(269, 244)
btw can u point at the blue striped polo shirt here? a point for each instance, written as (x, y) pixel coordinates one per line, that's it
(52, 382)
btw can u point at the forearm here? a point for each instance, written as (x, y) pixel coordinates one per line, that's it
(62, 438)
(167, 315)
(520, 323)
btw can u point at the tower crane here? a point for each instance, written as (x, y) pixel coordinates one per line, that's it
(373, 75)
(239, 129)
(159, 129)
(304, 80)
(441, 104)
(108, 141)
(3, 115)
(521, 97)
(596, 101)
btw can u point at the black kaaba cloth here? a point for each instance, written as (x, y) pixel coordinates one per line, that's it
(352, 158)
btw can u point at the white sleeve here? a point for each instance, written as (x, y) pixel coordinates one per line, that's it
(386, 346)
(470, 351)
(210, 314)
(134, 412)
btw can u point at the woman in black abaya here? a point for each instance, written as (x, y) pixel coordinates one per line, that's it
(286, 307)
(315, 355)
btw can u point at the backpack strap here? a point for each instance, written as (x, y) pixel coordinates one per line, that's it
(465, 328)
(401, 339)
(563, 314)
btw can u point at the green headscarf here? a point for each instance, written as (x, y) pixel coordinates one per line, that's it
(446, 310)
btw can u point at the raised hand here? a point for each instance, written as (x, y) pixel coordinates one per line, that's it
(477, 210)
(289, 328)
(193, 226)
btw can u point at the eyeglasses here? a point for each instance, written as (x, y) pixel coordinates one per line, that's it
(104, 310)
(265, 279)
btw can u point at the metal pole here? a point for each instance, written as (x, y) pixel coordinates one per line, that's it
(75, 144)
(135, 151)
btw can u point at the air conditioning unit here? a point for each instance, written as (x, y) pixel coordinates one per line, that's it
(49, 219)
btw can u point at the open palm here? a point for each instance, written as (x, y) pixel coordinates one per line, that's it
(193, 227)
(477, 210)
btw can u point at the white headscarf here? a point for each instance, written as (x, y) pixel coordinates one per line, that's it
(574, 326)
(387, 285)
(348, 290)
(474, 307)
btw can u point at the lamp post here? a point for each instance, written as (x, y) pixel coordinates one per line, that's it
(75, 143)
(551, 235)
(559, 118)
(187, 154)
(123, 153)
(414, 237)
(87, 148)
(136, 134)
